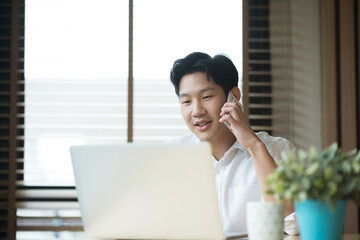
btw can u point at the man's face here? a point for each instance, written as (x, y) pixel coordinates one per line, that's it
(201, 101)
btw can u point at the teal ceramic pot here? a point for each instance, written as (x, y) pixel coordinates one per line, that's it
(316, 220)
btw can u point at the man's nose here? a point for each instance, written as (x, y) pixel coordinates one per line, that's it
(198, 109)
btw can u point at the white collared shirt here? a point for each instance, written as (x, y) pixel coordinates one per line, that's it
(237, 183)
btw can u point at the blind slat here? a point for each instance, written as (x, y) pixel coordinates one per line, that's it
(53, 205)
(46, 193)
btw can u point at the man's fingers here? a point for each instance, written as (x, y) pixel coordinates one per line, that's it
(235, 112)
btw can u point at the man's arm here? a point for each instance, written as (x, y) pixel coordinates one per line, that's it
(263, 161)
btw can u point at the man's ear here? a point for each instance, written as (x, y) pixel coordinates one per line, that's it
(236, 92)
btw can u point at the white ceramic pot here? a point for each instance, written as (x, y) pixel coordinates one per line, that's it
(265, 220)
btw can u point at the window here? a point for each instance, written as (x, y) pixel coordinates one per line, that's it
(76, 87)
(76, 71)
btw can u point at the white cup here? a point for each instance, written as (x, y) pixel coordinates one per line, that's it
(265, 220)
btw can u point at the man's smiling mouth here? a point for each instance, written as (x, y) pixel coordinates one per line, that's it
(202, 125)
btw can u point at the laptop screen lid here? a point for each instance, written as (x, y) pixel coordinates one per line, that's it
(147, 191)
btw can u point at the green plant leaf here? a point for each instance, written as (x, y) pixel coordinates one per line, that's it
(351, 153)
(332, 150)
(302, 155)
(284, 156)
(270, 192)
(302, 196)
(288, 194)
(356, 167)
(357, 158)
(328, 173)
(332, 188)
(313, 153)
(348, 187)
(305, 183)
(312, 168)
(279, 188)
(346, 167)
(319, 183)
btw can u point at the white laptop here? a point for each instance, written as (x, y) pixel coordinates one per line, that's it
(147, 191)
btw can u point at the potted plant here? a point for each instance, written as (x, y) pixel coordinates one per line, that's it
(320, 184)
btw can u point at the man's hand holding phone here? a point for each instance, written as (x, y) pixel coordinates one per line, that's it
(232, 115)
(232, 98)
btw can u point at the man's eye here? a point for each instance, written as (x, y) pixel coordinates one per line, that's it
(185, 102)
(207, 97)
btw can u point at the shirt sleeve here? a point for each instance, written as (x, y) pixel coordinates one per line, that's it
(290, 225)
(276, 145)
(283, 145)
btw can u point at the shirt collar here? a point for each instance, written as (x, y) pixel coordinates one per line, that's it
(240, 147)
(230, 154)
(235, 147)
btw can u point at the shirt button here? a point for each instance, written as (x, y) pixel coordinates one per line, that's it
(218, 172)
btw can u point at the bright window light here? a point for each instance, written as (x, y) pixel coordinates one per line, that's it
(76, 70)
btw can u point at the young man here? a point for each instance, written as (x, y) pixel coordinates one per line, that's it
(242, 159)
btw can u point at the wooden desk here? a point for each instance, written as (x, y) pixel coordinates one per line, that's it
(287, 237)
(346, 237)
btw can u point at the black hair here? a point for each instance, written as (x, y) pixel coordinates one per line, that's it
(220, 69)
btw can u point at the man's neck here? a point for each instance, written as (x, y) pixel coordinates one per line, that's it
(220, 147)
